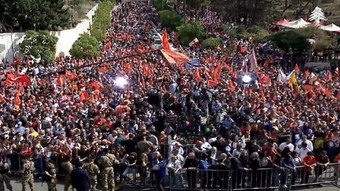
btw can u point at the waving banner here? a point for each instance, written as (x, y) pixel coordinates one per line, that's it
(17, 80)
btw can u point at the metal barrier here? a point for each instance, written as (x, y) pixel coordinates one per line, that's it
(216, 179)
(259, 179)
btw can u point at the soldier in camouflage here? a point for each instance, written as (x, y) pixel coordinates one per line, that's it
(51, 176)
(4, 169)
(67, 167)
(28, 170)
(107, 161)
(93, 171)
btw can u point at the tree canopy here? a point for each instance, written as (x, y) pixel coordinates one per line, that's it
(39, 45)
(22, 15)
(85, 47)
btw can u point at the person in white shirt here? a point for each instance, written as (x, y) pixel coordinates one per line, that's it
(302, 152)
(308, 142)
(287, 144)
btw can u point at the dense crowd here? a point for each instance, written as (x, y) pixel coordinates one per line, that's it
(169, 117)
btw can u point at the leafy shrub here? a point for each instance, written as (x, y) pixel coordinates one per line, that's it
(160, 5)
(39, 45)
(170, 19)
(187, 32)
(85, 47)
(211, 42)
(102, 20)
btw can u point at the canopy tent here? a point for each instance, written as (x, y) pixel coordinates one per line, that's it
(283, 22)
(331, 28)
(300, 23)
(316, 25)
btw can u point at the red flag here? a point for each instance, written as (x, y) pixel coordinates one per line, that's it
(327, 92)
(212, 83)
(198, 77)
(21, 90)
(310, 90)
(103, 69)
(16, 62)
(329, 76)
(71, 75)
(17, 101)
(17, 80)
(231, 86)
(2, 100)
(96, 86)
(253, 62)
(61, 80)
(297, 69)
(216, 72)
(84, 96)
(165, 40)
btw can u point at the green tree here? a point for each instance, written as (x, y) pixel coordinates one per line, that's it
(170, 19)
(85, 47)
(250, 11)
(39, 45)
(323, 40)
(102, 20)
(160, 5)
(188, 31)
(290, 40)
(34, 14)
(211, 43)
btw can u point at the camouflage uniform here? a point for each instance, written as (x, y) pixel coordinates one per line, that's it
(107, 172)
(28, 178)
(51, 174)
(4, 169)
(93, 171)
(67, 167)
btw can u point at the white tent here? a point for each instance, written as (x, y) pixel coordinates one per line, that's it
(300, 23)
(331, 28)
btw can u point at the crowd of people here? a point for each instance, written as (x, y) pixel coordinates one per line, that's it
(165, 119)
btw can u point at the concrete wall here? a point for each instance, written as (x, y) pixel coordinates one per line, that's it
(9, 42)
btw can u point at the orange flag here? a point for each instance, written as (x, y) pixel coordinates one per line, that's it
(297, 69)
(103, 69)
(165, 40)
(17, 101)
(128, 68)
(71, 75)
(232, 86)
(84, 96)
(329, 76)
(216, 72)
(212, 83)
(61, 80)
(262, 95)
(310, 90)
(198, 77)
(327, 92)
(2, 100)
(21, 90)
(96, 86)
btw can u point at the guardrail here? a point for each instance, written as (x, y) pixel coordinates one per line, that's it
(259, 179)
(212, 179)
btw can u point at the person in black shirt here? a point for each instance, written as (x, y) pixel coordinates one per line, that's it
(190, 165)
